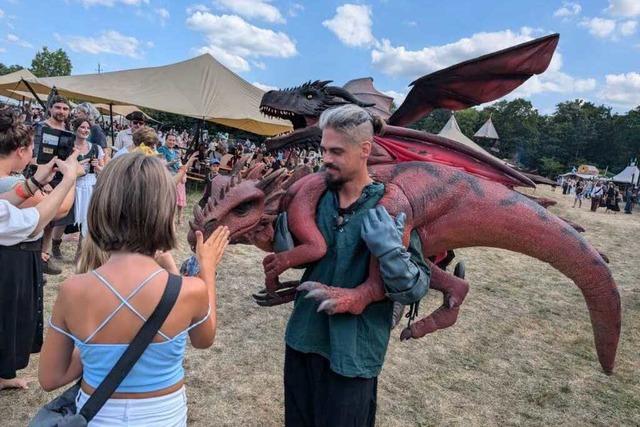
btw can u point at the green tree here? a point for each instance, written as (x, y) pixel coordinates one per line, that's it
(7, 69)
(51, 63)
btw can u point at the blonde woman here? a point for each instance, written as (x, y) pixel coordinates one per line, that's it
(97, 314)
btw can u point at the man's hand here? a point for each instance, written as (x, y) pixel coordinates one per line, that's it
(45, 172)
(380, 232)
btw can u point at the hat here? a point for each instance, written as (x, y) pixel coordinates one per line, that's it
(136, 115)
(214, 161)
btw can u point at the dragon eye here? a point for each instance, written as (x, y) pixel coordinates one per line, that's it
(309, 96)
(243, 208)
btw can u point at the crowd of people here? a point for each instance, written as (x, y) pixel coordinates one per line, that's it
(605, 194)
(123, 261)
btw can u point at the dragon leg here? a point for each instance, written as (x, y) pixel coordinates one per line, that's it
(454, 291)
(494, 216)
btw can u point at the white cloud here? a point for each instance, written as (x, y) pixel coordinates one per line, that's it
(196, 8)
(568, 10)
(12, 38)
(1, 13)
(253, 9)
(600, 27)
(264, 87)
(622, 89)
(110, 3)
(628, 8)
(295, 9)
(352, 24)
(2, 50)
(399, 61)
(163, 15)
(107, 42)
(234, 62)
(609, 28)
(259, 64)
(628, 28)
(231, 40)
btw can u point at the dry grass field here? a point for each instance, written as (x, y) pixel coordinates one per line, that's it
(521, 353)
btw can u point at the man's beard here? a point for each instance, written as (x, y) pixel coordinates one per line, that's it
(334, 184)
(59, 117)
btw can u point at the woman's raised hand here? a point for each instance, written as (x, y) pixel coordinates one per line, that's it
(210, 252)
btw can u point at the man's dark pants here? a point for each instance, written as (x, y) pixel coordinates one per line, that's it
(315, 396)
(595, 202)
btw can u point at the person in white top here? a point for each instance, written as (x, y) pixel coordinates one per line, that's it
(125, 137)
(21, 305)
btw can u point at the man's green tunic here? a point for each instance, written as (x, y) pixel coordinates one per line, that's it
(355, 345)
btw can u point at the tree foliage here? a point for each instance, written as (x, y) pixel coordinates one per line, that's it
(578, 132)
(51, 63)
(7, 69)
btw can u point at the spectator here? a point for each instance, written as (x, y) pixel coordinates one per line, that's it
(628, 196)
(21, 281)
(92, 159)
(171, 155)
(125, 137)
(144, 140)
(214, 171)
(88, 112)
(579, 194)
(596, 196)
(132, 223)
(612, 195)
(59, 109)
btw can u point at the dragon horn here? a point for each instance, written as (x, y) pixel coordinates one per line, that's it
(346, 95)
(198, 214)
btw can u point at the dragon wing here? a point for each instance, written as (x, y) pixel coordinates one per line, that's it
(363, 90)
(473, 82)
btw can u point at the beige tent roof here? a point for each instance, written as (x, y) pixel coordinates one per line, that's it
(200, 87)
(11, 81)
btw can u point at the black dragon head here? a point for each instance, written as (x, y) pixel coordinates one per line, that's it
(302, 106)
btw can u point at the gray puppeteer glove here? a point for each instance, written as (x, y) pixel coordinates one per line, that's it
(380, 232)
(282, 238)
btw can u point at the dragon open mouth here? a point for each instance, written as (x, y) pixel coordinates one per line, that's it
(304, 128)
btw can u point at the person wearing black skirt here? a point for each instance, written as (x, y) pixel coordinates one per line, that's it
(21, 280)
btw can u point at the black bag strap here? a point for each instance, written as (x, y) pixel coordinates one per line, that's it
(135, 349)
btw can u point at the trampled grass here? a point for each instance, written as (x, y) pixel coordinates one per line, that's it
(521, 353)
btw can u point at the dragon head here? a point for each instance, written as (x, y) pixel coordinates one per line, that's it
(248, 207)
(302, 106)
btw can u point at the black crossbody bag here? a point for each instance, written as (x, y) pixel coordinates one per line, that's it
(61, 411)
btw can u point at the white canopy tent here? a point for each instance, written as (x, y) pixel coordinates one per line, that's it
(630, 175)
(452, 130)
(487, 130)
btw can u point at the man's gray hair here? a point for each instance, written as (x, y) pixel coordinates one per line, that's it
(351, 120)
(89, 110)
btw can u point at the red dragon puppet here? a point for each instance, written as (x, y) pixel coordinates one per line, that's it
(453, 195)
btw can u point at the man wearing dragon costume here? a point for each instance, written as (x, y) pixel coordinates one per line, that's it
(453, 197)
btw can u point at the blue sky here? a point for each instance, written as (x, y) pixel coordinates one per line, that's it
(282, 43)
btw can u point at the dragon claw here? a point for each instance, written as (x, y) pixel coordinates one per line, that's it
(406, 334)
(328, 305)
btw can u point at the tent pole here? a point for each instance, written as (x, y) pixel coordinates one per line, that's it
(111, 123)
(33, 92)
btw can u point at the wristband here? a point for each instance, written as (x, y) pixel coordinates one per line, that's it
(37, 184)
(26, 185)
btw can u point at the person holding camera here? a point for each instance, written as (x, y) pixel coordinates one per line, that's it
(21, 303)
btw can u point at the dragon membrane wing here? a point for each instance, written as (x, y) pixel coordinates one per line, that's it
(476, 81)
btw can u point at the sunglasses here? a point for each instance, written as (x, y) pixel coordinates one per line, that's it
(137, 122)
